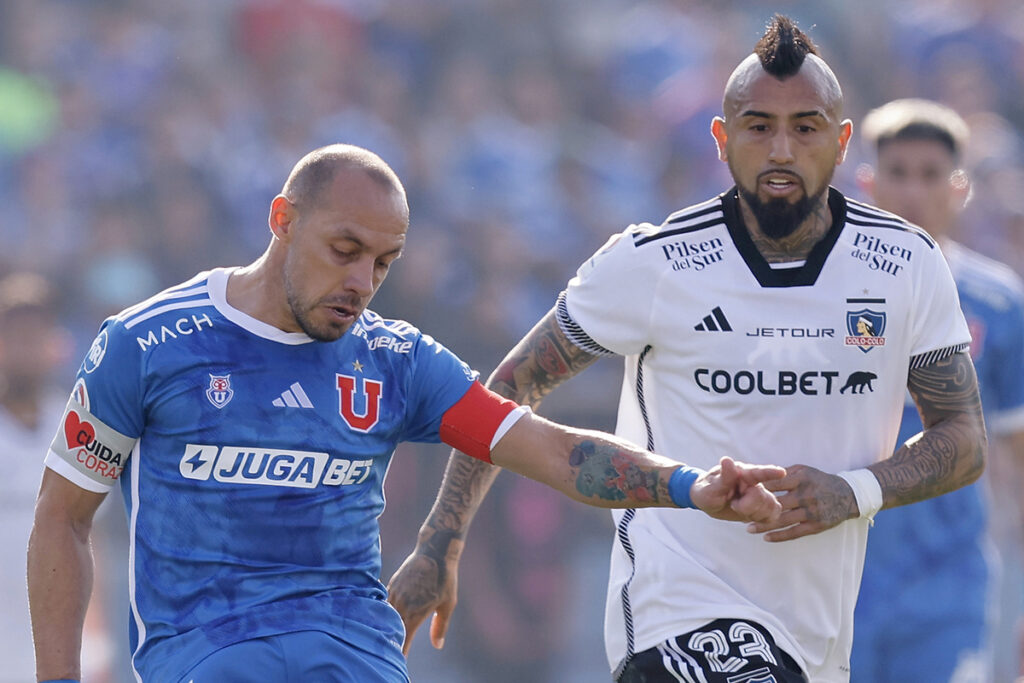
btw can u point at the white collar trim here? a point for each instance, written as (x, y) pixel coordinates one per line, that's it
(218, 285)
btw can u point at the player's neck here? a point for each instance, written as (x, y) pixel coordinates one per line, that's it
(795, 246)
(257, 291)
(943, 233)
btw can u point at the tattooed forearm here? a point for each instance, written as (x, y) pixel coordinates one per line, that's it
(466, 482)
(950, 452)
(540, 362)
(608, 472)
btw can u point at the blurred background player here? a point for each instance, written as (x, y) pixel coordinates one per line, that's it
(925, 611)
(33, 351)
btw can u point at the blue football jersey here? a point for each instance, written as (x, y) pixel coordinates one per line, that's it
(252, 463)
(912, 541)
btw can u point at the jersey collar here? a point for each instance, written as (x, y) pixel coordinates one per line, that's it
(218, 286)
(803, 276)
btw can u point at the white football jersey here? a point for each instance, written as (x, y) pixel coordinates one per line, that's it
(728, 355)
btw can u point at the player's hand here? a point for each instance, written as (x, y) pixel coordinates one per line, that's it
(734, 491)
(423, 586)
(812, 501)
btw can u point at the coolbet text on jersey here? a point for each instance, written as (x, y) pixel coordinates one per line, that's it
(728, 355)
(252, 462)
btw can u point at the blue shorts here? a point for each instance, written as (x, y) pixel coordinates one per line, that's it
(295, 658)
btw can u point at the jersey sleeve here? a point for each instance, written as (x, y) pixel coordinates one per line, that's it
(1007, 415)
(938, 329)
(438, 380)
(104, 416)
(606, 307)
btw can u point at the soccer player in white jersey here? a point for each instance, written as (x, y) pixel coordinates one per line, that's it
(250, 415)
(778, 321)
(910, 623)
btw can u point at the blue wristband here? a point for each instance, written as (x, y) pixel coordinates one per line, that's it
(679, 486)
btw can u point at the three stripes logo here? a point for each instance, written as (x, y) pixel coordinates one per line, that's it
(714, 322)
(293, 397)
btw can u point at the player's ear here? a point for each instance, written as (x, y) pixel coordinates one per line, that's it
(282, 213)
(961, 184)
(845, 133)
(720, 136)
(866, 180)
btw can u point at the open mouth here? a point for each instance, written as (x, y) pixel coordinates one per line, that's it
(344, 314)
(779, 184)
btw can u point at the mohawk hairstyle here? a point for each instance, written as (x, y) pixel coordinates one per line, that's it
(783, 47)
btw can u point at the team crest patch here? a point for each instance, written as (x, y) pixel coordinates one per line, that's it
(220, 392)
(865, 329)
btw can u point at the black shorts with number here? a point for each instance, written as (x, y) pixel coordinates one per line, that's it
(723, 651)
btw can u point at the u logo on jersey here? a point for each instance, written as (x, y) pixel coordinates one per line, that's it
(369, 398)
(220, 392)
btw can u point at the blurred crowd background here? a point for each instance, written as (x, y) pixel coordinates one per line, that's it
(142, 141)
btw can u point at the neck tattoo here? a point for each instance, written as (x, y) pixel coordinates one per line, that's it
(793, 247)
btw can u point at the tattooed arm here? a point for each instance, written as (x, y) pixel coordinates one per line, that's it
(604, 471)
(948, 454)
(426, 582)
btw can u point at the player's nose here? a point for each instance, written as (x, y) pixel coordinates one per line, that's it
(358, 277)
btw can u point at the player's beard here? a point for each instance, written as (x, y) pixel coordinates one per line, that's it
(779, 217)
(302, 311)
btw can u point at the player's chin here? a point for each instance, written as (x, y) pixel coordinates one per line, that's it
(329, 331)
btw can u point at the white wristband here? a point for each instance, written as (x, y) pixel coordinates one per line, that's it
(866, 490)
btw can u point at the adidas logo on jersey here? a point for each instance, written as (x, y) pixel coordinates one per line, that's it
(715, 322)
(293, 397)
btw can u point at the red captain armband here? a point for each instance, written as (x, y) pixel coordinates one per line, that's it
(472, 424)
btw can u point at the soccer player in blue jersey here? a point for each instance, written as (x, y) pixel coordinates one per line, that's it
(249, 416)
(922, 612)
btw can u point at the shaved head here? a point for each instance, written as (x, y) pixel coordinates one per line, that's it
(316, 171)
(783, 52)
